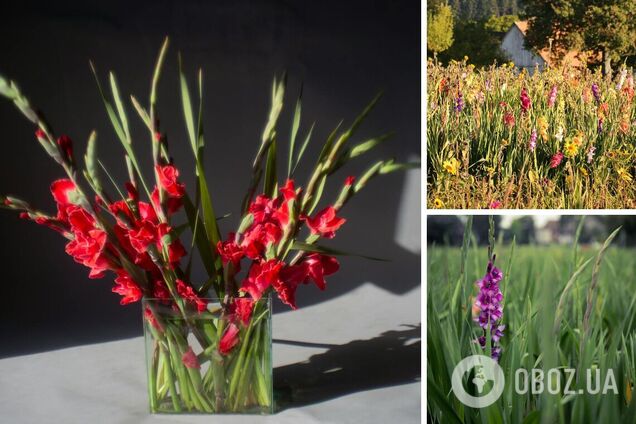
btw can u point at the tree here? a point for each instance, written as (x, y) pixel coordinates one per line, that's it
(608, 27)
(482, 53)
(439, 29)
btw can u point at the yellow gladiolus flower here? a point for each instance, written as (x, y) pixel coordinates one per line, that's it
(451, 166)
(571, 148)
(624, 174)
(542, 123)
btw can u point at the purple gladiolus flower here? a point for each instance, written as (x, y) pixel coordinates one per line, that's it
(488, 301)
(459, 102)
(596, 93)
(533, 140)
(553, 95)
(599, 126)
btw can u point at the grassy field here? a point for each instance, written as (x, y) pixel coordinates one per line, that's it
(546, 327)
(505, 138)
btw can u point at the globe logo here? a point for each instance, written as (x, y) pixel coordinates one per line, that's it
(488, 377)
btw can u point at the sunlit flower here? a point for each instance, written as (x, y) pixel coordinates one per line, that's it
(552, 96)
(559, 134)
(596, 93)
(438, 203)
(451, 166)
(526, 102)
(556, 160)
(542, 123)
(488, 302)
(624, 174)
(590, 154)
(509, 119)
(532, 144)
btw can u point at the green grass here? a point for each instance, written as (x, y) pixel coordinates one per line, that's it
(533, 286)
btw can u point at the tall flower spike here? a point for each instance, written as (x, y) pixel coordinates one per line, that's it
(490, 310)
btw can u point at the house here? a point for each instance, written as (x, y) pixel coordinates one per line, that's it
(513, 47)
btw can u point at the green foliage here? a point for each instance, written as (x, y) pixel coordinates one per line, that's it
(439, 35)
(483, 52)
(483, 9)
(545, 303)
(500, 24)
(608, 28)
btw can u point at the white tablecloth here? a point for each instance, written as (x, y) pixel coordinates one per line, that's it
(352, 359)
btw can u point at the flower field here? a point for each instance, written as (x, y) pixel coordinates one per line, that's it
(505, 138)
(558, 307)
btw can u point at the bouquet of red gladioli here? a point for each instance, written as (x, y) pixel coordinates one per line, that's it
(134, 236)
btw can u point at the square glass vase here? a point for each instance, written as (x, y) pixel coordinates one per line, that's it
(207, 360)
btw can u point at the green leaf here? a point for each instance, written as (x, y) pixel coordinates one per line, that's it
(119, 130)
(303, 147)
(6, 90)
(90, 161)
(270, 180)
(157, 73)
(294, 132)
(142, 112)
(120, 107)
(365, 146)
(306, 247)
(317, 195)
(187, 108)
(203, 245)
(390, 166)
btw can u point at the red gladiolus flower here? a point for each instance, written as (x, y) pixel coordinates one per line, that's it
(62, 191)
(230, 252)
(127, 288)
(325, 222)
(173, 204)
(350, 180)
(288, 191)
(190, 360)
(258, 237)
(556, 160)
(242, 309)
(66, 144)
(168, 175)
(286, 291)
(147, 212)
(495, 204)
(143, 236)
(175, 250)
(319, 266)
(526, 103)
(40, 134)
(121, 209)
(152, 320)
(260, 277)
(315, 267)
(509, 119)
(160, 290)
(229, 340)
(89, 243)
(187, 292)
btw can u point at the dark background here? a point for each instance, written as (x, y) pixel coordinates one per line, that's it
(343, 52)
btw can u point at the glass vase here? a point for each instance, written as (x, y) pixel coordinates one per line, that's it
(209, 358)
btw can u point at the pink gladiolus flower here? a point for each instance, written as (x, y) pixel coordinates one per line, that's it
(556, 160)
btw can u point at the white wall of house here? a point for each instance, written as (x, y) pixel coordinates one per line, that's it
(512, 46)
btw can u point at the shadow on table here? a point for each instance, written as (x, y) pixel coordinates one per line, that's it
(390, 359)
